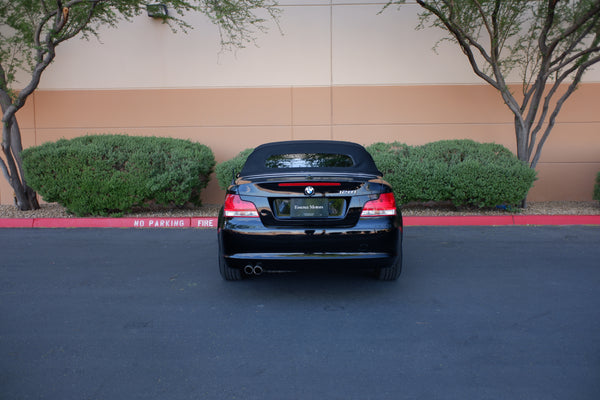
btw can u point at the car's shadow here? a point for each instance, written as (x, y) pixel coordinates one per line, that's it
(330, 287)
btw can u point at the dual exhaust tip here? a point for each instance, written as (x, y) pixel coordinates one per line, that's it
(253, 269)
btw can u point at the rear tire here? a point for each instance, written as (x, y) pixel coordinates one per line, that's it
(391, 273)
(228, 273)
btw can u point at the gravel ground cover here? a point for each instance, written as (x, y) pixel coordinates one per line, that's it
(427, 209)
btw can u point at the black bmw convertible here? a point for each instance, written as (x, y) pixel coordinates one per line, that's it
(309, 204)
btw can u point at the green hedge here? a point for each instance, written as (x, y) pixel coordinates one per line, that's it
(111, 174)
(226, 170)
(597, 188)
(464, 172)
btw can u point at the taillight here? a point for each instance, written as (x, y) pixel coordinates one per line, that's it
(385, 205)
(236, 207)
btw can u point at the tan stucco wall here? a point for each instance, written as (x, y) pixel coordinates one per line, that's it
(232, 119)
(322, 43)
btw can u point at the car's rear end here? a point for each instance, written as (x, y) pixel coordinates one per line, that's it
(314, 204)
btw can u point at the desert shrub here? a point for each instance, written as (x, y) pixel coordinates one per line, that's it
(597, 188)
(462, 171)
(409, 185)
(226, 170)
(111, 174)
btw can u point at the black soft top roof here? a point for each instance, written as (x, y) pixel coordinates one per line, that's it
(363, 162)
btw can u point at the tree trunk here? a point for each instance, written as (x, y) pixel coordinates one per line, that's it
(522, 135)
(12, 166)
(26, 198)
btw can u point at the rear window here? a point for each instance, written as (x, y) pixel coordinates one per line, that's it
(309, 160)
(310, 156)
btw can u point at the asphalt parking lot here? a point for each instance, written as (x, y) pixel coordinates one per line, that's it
(478, 313)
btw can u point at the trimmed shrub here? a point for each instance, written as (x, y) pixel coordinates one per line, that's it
(597, 188)
(226, 170)
(111, 174)
(464, 172)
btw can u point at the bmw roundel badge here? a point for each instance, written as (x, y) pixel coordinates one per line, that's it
(309, 190)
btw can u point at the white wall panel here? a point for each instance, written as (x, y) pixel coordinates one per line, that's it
(302, 3)
(379, 49)
(593, 74)
(325, 42)
(146, 54)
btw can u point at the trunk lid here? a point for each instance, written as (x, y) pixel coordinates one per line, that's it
(323, 201)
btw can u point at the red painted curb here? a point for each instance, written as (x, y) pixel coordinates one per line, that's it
(111, 223)
(211, 222)
(557, 219)
(204, 222)
(16, 223)
(475, 220)
(152, 223)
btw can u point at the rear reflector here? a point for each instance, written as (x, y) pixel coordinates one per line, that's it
(236, 207)
(385, 205)
(310, 184)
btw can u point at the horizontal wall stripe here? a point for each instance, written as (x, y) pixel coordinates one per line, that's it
(230, 120)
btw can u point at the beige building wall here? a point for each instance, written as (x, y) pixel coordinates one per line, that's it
(339, 71)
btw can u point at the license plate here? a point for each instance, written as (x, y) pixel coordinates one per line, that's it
(309, 208)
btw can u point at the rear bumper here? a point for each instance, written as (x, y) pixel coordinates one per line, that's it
(373, 242)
